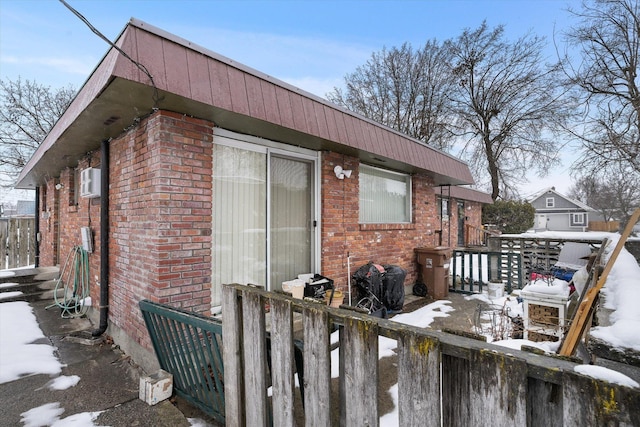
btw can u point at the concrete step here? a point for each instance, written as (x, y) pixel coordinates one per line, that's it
(30, 284)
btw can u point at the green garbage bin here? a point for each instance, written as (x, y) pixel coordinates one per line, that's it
(434, 269)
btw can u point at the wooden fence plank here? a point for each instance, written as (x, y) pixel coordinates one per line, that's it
(418, 380)
(317, 367)
(592, 402)
(4, 234)
(12, 244)
(255, 359)
(359, 341)
(232, 356)
(544, 404)
(24, 241)
(455, 390)
(499, 381)
(480, 383)
(282, 360)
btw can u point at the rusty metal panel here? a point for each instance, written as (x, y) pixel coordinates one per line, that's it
(124, 67)
(284, 107)
(199, 79)
(175, 64)
(220, 87)
(310, 116)
(298, 112)
(238, 86)
(150, 54)
(339, 118)
(323, 128)
(272, 113)
(254, 95)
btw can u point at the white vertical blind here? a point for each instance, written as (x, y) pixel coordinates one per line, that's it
(290, 219)
(239, 218)
(385, 196)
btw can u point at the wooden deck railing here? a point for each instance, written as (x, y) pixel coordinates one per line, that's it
(476, 236)
(443, 379)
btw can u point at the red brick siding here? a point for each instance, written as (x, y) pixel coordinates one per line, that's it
(385, 243)
(160, 218)
(49, 223)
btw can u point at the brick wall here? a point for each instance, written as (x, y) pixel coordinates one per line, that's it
(160, 218)
(383, 244)
(48, 223)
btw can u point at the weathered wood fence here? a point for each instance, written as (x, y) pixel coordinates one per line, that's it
(443, 379)
(17, 242)
(536, 251)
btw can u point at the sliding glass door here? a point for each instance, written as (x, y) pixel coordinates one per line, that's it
(263, 216)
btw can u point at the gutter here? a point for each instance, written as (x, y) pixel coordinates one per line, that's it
(104, 239)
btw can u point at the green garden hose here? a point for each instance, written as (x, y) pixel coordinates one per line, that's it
(74, 279)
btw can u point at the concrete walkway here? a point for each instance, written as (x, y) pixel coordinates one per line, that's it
(108, 380)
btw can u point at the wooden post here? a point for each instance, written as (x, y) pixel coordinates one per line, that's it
(317, 367)
(418, 380)
(255, 359)
(282, 362)
(232, 357)
(360, 374)
(498, 381)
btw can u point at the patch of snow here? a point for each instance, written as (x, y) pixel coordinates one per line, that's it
(8, 295)
(8, 285)
(7, 273)
(391, 419)
(621, 294)
(554, 287)
(606, 374)
(63, 382)
(197, 422)
(546, 346)
(18, 356)
(43, 415)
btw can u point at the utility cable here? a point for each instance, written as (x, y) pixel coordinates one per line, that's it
(156, 95)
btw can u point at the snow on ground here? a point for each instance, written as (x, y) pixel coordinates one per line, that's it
(9, 295)
(7, 284)
(7, 273)
(49, 415)
(63, 382)
(18, 355)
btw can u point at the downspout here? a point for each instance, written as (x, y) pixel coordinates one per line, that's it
(104, 239)
(36, 226)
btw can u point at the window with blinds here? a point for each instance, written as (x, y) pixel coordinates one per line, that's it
(385, 196)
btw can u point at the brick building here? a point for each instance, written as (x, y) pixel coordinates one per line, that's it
(211, 172)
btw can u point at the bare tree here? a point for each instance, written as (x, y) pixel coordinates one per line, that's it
(28, 111)
(614, 192)
(509, 106)
(405, 89)
(607, 38)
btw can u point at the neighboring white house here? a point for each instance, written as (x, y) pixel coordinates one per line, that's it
(557, 212)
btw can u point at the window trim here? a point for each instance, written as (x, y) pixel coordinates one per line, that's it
(550, 202)
(574, 221)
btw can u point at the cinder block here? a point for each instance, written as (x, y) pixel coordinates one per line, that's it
(156, 387)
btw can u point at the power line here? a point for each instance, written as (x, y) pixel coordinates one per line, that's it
(156, 96)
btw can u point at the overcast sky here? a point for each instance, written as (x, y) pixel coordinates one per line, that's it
(310, 44)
